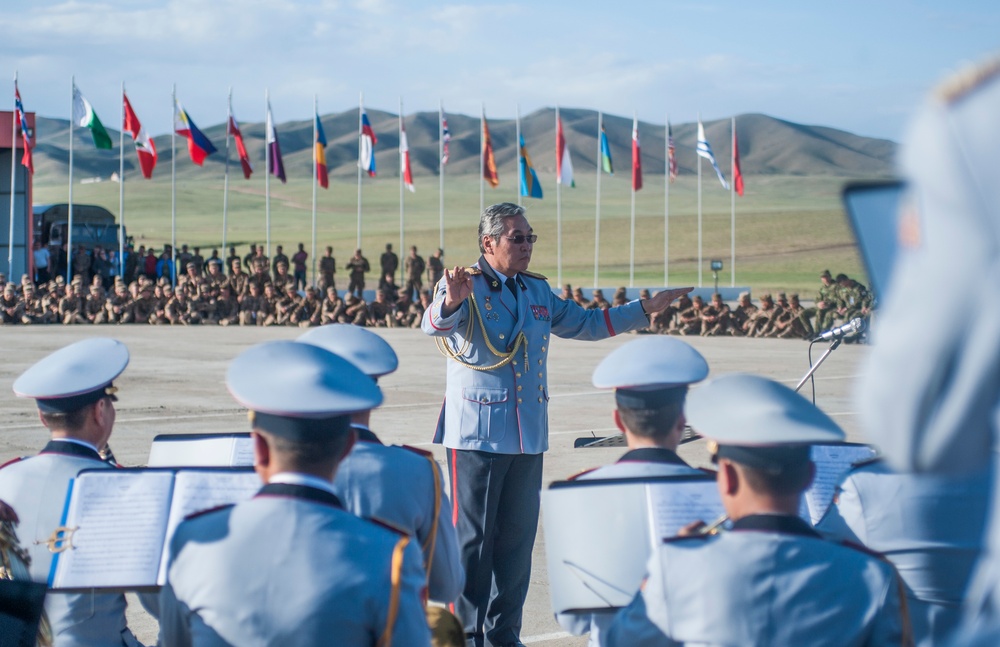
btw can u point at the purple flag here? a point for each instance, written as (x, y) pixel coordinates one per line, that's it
(275, 167)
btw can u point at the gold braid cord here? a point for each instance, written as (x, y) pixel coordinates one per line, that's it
(521, 341)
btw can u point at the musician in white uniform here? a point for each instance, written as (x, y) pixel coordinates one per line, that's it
(75, 397)
(770, 579)
(401, 486)
(650, 377)
(291, 566)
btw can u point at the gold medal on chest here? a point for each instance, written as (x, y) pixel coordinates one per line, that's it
(488, 305)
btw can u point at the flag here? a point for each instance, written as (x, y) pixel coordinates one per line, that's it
(322, 175)
(368, 141)
(144, 146)
(199, 146)
(636, 157)
(241, 148)
(275, 168)
(404, 159)
(606, 153)
(85, 117)
(671, 153)
(530, 186)
(445, 138)
(489, 161)
(564, 165)
(705, 150)
(25, 137)
(737, 174)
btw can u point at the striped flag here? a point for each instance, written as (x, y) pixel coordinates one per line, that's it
(705, 150)
(145, 148)
(241, 148)
(322, 175)
(489, 161)
(199, 146)
(277, 167)
(445, 138)
(606, 153)
(367, 149)
(564, 165)
(530, 186)
(404, 158)
(671, 153)
(25, 133)
(636, 156)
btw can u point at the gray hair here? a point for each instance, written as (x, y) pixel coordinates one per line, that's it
(491, 220)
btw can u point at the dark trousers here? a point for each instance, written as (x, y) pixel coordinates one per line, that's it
(496, 502)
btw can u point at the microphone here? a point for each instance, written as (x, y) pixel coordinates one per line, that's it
(852, 327)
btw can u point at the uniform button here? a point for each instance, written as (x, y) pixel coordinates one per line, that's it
(539, 399)
(541, 388)
(484, 400)
(519, 375)
(519, 400)
(502, 337)
(514, 362)
(544, 337)
(518, 387)
(540, 374)
(543, 349)
(539, 362)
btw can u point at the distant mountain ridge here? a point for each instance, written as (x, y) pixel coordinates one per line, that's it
(768, 146)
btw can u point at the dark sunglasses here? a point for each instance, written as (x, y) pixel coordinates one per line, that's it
(520, 239)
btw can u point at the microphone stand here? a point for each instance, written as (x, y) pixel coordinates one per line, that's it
(813, 367)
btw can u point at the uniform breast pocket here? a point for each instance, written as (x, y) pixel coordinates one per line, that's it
(484, 413)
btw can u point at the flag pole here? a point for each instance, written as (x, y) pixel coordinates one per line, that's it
(699, 208)
(402, 243)
(121, 178)
(440, 174)
(732, 212)
(517, 145)
(315, 181)
(558, 207)
(666, 205)
(225, 182)
(268, 127)
(173, 188)
(13, 180)
(631, 248)
(597, 221)
(482, 156)
(361, 108)
(72, 123)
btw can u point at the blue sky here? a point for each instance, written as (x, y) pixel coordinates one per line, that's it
(858, 66)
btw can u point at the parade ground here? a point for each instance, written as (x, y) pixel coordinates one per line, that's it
(175, 383)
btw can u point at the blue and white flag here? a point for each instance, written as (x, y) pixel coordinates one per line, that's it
(705, 150)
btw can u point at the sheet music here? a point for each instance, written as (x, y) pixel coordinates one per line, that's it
(120, 519)
(197, 490)
(242, 454)
(832, 462)
(673, 505)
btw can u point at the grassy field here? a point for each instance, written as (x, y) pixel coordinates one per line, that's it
(789, 229)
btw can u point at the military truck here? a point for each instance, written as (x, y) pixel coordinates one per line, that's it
(92, 226)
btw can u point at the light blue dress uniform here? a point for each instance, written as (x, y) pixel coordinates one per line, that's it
(505, 410)
(929, 397)
(657, 367)
(770, 579)
(291, 566)
(397, 485)
(66, 380)
(931, 527)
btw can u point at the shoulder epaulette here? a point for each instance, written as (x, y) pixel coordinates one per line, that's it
(966, 80)
(678, 538)
(388, 525)
(12, 461)
(201, 513)
(579, 474)
(416, 450)
(473, 271)
(534, 275)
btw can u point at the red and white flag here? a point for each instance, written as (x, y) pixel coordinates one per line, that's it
(737, 174)
(144, 145)
(564, 165)
(22, 122)
(241, 148)
(636, 157)
(404, 159)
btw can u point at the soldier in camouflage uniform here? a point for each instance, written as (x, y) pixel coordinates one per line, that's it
(285, 306)
(665, 321)
(238, 280)
(34, 308)
(826, 302)
(253, 308)
(597, 301)
(763, 319)
(282, 279)
(380, 311)
(358, 265)
(71, 306)
(715, 317)
(227, 308)
(309, 311)
(180, 309)
(689, 319)
(853, 299)
(327, 270)
(356, 311)
(93, 307)
(743, 315)
(11, 305)
(333, 307)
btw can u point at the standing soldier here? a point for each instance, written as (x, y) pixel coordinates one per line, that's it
(389, 262)
(358, 265)
(415, 266)
(826, 302)
(327, 270)
(279, 257)
(299, 262)
(435, 268)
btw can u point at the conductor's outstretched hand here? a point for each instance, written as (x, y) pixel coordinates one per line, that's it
(458, 287)
(662, 299)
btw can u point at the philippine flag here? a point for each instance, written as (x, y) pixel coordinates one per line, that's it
(367, 148)
(199, 146)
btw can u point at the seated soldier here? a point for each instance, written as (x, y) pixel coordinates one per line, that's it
(689, 319)
(227, 308)
(117, 305)
(180, 310)
(332, 308)
(792, 322)
(388, 285)
(309, 311)
(253, 308)
(162, 293)
(355, 311)
(143, 307)
(650, 377)
(34, 307)
(324, 576)
(763, 320)
(715, 317)
(285, 306)
(665, 321)
(598, 302)
(380, 311)
(282, 277)
(579, 298)
(620, 298)
(269, 305)
(770, 579)
(567, 292)
(11, 305)
(71, 306)
(742, 315)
